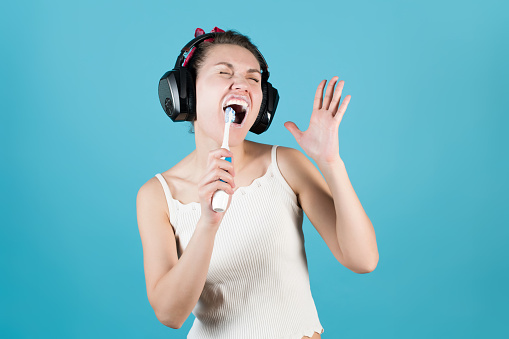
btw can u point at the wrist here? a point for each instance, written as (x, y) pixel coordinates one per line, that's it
(330, 162)
(207, 227)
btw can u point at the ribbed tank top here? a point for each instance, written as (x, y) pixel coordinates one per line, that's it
(258, 282)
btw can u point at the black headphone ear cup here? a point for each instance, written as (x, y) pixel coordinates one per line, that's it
(169, 96)
(176, 93)
(272, 101)
(191, 97)
(267, 109)
(258, 126)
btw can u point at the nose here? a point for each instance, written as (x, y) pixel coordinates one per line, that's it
(240, 83)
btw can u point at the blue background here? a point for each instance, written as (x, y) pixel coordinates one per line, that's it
(423, 141)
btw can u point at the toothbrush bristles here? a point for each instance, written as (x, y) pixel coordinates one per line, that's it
(229, 115)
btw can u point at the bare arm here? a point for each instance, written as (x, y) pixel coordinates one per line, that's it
(331, 204)
(174, 284)
(333, 208)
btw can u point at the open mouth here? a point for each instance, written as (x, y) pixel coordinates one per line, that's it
(240, 113)
(240, 106)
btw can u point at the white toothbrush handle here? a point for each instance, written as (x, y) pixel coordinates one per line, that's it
(220, 197)
(220, 201)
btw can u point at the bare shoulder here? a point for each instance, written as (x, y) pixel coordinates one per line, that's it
(295, 167)
(151, 197)
(292, 156)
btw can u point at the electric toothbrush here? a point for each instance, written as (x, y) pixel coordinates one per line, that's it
(220, 197)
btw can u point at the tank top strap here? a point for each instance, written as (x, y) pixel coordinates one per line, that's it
(169, 199)
(273, 155)
(279, 176)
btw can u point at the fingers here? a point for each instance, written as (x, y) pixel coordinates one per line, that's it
(337, 97)
(296, 132)
(342, 108)
(215, 161)
(206, 192)
(218, 176)
(332, 98)
(209, 187)
(328, 93)
(317, 104)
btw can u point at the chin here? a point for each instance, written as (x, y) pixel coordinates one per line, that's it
(238, 136)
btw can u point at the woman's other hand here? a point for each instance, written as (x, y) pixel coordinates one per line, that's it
(320, 141)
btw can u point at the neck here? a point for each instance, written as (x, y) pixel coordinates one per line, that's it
(205, 144)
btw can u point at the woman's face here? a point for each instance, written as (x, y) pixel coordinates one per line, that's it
(229, 76)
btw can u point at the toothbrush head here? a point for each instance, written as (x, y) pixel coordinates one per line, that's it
(229, 115)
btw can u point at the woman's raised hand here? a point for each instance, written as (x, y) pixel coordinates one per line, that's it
(320, 141)
(217, 169)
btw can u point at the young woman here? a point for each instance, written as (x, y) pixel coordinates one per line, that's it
(243, 273)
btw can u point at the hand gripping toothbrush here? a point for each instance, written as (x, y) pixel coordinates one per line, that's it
(220, 197)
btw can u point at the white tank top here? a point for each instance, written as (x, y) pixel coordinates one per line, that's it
(258, 283)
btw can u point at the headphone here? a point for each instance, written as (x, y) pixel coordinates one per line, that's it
(177, 92)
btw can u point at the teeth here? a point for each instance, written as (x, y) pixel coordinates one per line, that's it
(236, 102)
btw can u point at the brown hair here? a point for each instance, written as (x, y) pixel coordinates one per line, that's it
(227, 38)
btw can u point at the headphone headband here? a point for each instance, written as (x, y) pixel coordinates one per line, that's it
(193, 43)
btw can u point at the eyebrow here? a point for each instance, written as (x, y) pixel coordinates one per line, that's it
(227, 64)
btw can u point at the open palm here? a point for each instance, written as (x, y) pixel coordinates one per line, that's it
(320, 141)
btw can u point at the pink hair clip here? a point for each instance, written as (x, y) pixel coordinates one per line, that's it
(197, 33)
